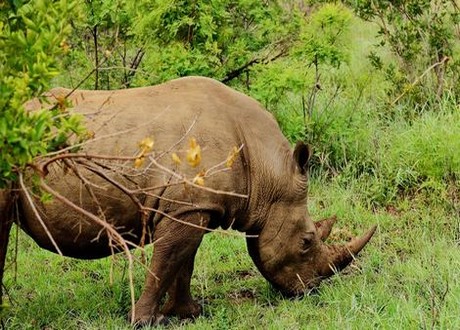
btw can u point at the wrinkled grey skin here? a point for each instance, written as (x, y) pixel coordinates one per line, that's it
(288, 248)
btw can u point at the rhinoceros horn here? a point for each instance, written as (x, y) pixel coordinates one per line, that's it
(324, 227)
(341, 255)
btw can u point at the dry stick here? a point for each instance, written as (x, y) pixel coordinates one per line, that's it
(110, 231)
(215, 169)
(87, 185)
(117, 170)
(113, 182)
(78, 145)
(178, 176)
(37, 215)
(130, 194)
(44, 167)
(146, 190)
(416, 81)
(175, 201)
(86, 77)
(181, 139)
(141, 207)
(221, 231)
(134, 199)
(161, 167)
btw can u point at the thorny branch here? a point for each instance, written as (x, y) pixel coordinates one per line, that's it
(110, 230)
(37, 214)
(119, 172)
(116, 171)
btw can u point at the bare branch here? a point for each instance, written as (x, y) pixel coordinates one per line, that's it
(181, 138)
(78, 145)
(37, 214)
(416, 81)
(110, 231)
(179, 176)
(44, 167)
(198, 226)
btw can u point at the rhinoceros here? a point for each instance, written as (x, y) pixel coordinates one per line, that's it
(262, 193)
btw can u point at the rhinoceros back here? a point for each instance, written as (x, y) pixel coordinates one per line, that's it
(170, 114)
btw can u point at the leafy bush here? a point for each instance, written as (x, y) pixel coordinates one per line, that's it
(32, 36)
(422, 38)
(151, 41)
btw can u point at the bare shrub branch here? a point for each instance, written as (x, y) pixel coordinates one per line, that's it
(36, 213)
(111, 232)
(121, 173)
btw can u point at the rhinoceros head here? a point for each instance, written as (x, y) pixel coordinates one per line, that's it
(289, 250)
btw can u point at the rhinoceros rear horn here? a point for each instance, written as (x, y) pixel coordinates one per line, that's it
(324, 227)
(341, 255)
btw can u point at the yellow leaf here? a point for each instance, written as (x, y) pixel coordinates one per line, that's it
(199, 180)
(146, 145)
(175, 158)
(61, 102)
(232, 157)
(90, 134)
(64, 46)
(139, 162)
(194, 153)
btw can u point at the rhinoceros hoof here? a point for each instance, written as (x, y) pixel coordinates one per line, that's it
(188, 310)
(148, 321)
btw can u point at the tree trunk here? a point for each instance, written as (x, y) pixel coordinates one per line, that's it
(6, 221)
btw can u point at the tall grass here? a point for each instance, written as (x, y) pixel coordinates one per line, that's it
(358, 137)
(407, 277)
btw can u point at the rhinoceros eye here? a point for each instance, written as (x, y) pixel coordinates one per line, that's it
(307, 241)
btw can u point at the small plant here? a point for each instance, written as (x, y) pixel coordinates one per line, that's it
(38, 32)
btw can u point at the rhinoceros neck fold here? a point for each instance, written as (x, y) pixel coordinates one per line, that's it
(265, 248)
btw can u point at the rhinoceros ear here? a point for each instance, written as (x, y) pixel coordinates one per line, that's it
(302, 154)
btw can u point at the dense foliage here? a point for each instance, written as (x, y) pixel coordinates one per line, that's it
(422, 35)
(303, 60)
(32, 37)
(149, 41)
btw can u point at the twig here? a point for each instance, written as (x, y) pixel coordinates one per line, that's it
(245, 67)
(37, 215)
(416, 81)
(181, 139)
(215, 169)
(110, 231)
(221, 231)
(85, 78)
(215, 191)
(88, 187)
(114, 183)
(78, 145)
(44, 167)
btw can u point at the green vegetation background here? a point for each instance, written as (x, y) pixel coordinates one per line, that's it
(372, 88)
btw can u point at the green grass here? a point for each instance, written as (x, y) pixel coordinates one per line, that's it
(408, 277)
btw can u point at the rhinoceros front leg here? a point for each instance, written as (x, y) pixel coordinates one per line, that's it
(174, 249)
(180, 302)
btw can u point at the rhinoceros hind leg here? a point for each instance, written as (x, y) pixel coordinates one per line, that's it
(180, 302)
(175, 247)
